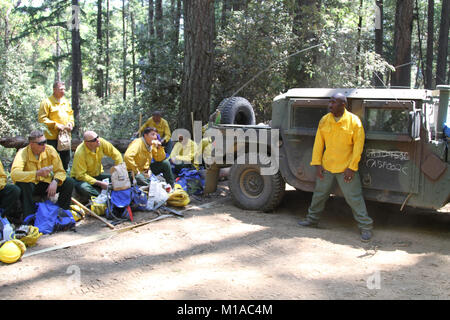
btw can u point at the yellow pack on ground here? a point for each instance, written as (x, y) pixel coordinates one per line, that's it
(32, 236)
(77, 212)
(98, 208)
(179, 197)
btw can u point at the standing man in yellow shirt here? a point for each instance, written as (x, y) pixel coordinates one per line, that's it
(87, 168)
(341, 133)
(57, 114)
(162, 126)
(9, 195)
(37, 170)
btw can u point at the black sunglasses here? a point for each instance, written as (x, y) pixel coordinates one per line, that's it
(41, 143)
(93, 140)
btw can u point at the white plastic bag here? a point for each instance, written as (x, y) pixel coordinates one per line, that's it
(103, 196)
(157, 195)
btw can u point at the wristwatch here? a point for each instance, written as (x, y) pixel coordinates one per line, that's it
(57, 180)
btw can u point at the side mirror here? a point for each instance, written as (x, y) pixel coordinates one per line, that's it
(415, 120)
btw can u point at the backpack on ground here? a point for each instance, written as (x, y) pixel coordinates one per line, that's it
(50, 218)
(191, 181)
(138, 198)
(118, 206)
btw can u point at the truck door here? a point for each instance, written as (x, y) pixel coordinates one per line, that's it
(300, 130)
(390, 155)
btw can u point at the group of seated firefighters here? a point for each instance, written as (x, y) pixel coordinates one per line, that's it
(40, 170)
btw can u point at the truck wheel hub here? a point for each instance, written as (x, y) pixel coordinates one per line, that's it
(251, 183)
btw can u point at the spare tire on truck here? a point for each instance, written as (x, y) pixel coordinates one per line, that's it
(236, 110)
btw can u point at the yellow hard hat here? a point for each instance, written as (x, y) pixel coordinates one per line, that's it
(11, 251)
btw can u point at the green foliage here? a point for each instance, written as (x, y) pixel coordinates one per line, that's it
(256, 53)
(19, 100)
(116, 119)
(257, 56)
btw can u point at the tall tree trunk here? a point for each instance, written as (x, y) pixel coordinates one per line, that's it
(304, 27)
(99, 84)
(176, 16)
(76, 64)
(441, 66)
(176, 24)
(58, 54)
(226, 7)
(124, 53)
(159, 20)
(378, 76)
(133, 53)
(198, 61)
(358, 46)
(107, 85)
(151, 31)
(7, 29)
(402, 43)
(430, 40)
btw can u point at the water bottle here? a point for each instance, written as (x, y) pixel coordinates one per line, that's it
(8, 231)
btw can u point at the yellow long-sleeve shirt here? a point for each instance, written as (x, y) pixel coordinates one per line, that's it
(87, 164)
(25, 165)
(2, 176)
(185, 153)
(162, 127)
(343, 142)
(204, 148)
(138, 156)
(51, 112)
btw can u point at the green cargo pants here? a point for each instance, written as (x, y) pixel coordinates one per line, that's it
(352, 193)
(28, 189)
(158, 167)
(88, 190)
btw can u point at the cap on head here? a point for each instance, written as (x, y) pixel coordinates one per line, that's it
(340, 97)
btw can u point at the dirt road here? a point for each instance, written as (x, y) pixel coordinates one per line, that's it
(221, 252)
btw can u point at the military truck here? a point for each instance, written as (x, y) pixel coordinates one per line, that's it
(405, 158)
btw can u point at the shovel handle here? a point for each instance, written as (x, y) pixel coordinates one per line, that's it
(92, 213)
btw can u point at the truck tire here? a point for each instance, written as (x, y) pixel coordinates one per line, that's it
(252, 191)
(236, 110)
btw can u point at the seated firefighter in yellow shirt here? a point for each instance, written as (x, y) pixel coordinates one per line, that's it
(183, 154)
(87, 168)
(162, 127)
(9, 196)
(139, 156)
(37, 170)
(341, 135)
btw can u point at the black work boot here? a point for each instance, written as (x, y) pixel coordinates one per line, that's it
(366, 235)
(307, 223)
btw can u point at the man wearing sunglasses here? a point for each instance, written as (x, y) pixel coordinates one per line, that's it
(57, 114)
(37, 170)
(87, 168)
